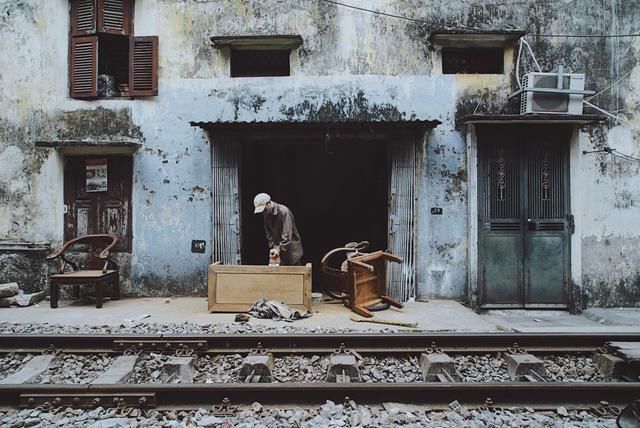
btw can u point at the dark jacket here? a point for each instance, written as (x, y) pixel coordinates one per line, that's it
(282, 233)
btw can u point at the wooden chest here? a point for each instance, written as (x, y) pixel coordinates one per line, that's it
(234, 288)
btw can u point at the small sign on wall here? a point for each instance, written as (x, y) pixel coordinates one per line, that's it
(436, 211)
(96, 170)
(198, 246)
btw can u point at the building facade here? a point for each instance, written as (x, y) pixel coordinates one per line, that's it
(159, 120)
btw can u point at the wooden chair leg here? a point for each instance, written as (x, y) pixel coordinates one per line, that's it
(99, 293)
(391, 301)
(54, 293)
(75, 291)
(115, 292)
(361, 310)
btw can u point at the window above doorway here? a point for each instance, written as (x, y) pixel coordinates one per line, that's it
(258, 56)
(105, 59)
(474, 53)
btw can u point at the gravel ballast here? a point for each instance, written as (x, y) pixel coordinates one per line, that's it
(572, 368)
(174, 329)
(75, 369)
(328, 415)
(481, 368)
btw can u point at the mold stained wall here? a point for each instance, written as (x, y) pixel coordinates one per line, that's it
(352, 66)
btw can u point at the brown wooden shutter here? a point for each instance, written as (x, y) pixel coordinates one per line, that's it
(114, 16)
(143, 66)
(83, 17)
(83, 73)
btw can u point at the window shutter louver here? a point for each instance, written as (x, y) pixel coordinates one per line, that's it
(83, 17)
(143, 66)
(84, 67)
(114, 16)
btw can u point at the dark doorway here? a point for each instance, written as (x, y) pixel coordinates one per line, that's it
(338, 193)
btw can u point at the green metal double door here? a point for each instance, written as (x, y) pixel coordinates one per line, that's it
(525, 223)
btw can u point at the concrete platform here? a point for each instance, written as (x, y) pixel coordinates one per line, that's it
(435, 315)
(551, 321)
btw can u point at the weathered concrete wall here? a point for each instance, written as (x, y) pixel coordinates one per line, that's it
(352, 66)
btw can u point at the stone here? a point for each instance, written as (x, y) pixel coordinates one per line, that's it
(178, 370)
(562, 411)
(23, 300)
(258, 365)
(609, 365)
(111, 423)
(9, 289)
(210, 421)
(520, 365)
(119, 371)
(30, 371)
(340, 364)
(436, 364)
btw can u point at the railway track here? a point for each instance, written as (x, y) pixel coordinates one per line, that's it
(437, 392)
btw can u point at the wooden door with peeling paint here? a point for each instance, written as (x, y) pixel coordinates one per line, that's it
(402, 217)
(226, 203)
(91, 211)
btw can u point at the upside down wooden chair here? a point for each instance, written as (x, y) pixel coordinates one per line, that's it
(361, 281)
(367, 282)
(99, 271)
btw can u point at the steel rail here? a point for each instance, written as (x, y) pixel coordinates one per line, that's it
(434, 395)
(312, 343)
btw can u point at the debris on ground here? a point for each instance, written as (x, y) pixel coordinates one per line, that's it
(276, 310)
(12, 295)
(241, 318)
(137, 318)
(382, 321)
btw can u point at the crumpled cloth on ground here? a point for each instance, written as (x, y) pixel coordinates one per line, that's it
(276, 310)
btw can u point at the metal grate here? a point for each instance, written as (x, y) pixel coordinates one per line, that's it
(503, 175)
(546, 198)
(495, 226)
(402, 280)
(226, 204)
(550, 226)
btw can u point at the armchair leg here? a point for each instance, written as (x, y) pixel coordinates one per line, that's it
(99, 293)
(115, 293)
(54, 294)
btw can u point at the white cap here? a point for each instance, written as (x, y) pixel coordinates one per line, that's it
(260, 202)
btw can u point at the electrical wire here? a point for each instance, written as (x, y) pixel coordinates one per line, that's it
(463, 27)
(624, 156)
(611, 85)
(391, 15)
(605, 112)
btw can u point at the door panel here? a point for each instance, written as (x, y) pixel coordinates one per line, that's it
(502, 268)
(545, 273)
(523, 213)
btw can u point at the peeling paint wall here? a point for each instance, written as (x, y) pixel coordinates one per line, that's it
(351, 66)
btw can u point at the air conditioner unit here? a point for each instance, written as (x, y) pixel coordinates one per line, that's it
(549, 102)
